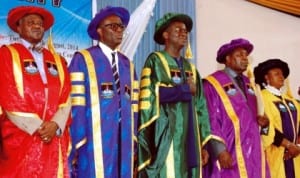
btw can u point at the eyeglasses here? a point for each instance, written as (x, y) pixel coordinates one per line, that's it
(115, 26)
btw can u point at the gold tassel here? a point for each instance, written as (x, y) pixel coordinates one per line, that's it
(257, 91)
(250, 75)
(188, 51)
(288, 88)
(50, 43)
(56, 58)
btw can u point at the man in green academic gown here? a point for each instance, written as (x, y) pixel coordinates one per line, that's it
(173, 118)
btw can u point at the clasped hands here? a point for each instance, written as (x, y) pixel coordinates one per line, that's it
(291, 150)
(47, 131)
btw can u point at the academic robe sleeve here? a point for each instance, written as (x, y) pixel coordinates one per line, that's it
(78, 73)
(202, 111)
(175, 94)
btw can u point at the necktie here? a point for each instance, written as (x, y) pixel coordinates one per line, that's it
(239, 80)
(117, 83)
(115, 73)
(36, 48)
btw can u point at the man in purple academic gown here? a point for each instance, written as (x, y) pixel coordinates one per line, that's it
(236, 150)
(104, 102)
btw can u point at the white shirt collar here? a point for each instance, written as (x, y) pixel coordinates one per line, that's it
(274, 91)
(27, 44)
(108, 51)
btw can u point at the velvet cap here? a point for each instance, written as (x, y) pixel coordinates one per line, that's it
(102, 14)
(263, 68)
(163, 23)
(228, 48)
(19, 12)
